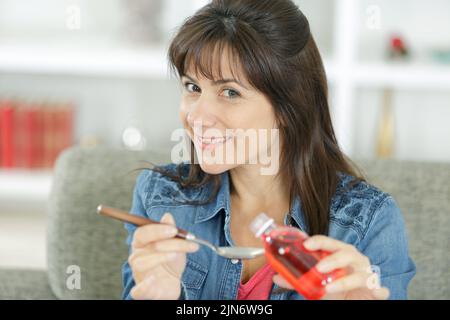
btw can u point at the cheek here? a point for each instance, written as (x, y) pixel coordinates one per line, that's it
(255, 116)
(183, 112)
(267, 114)
(267, 118)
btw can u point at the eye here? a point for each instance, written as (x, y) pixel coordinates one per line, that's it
(231, 94)
(191, 87)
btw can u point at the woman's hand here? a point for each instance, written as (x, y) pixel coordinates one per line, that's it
(360, 283)
(158, 260)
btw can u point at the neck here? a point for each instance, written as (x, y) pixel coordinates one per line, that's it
(255, 192)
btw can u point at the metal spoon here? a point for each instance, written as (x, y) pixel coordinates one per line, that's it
(226, 252)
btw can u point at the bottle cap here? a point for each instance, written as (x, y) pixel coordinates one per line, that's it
(260, 224)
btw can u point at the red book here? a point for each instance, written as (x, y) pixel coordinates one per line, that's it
(56, 134)
(32, 135)
(63, 129)
(48, 135)
(1, 106)
(33, 144)
(67, 130)
(7, 134)
(19, 134)
(1, 139)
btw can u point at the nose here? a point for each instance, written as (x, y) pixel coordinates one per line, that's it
(200, 113)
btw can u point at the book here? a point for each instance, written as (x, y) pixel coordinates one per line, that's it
(32, 135)
(33, 127)
(7, 134)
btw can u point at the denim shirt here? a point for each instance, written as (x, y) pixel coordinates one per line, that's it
(362, 215)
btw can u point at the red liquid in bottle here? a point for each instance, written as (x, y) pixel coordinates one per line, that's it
(286, 254)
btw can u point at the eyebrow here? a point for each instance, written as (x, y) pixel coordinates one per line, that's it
(219, 82)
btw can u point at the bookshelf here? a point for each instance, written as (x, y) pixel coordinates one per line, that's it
(340, 40)
(84, 62)
(24, 184)
(403, 76)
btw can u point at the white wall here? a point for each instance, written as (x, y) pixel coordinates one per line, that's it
(422, 124)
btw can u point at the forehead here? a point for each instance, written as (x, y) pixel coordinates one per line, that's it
(219, 62)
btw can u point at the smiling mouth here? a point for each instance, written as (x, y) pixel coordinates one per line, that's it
(211, 142)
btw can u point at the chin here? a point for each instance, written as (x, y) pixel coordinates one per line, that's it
(215, 169)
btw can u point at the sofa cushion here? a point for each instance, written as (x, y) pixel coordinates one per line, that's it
(422, 191)
(77, 235)
(25, 284)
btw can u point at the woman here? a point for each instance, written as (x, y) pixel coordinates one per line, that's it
(253, 65)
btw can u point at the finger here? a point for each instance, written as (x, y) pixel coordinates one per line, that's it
(167, 218)
(153, 232)
(137, 253)
(280, 281)
(148, 262)
(143, 290)
(342, 259)
(176, 245)
(348, 283)
(324, 243)
(381, 293)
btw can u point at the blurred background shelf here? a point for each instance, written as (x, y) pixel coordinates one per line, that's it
(151, 63)
(403, 75)
(20, 184)
(99, 62)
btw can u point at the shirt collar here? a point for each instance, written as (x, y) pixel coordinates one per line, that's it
(222, 202)
(297, 215)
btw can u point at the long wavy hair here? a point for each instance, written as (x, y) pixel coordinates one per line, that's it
(272, 43)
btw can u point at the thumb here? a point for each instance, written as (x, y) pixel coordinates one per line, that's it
(167, 218)
(280, 281)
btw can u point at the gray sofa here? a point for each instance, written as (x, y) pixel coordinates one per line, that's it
(77, 236)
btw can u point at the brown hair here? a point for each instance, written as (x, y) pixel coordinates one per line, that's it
(271, 41)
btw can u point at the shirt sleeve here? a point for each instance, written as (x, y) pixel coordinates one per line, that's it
(386, 245)
(137, 208)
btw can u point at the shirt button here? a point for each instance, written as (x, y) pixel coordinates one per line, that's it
(234, 261)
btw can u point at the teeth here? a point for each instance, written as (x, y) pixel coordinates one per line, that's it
(213, 140)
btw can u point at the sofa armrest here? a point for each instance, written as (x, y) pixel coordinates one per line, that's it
(23, 284)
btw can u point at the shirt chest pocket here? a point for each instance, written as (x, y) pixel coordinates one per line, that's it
(183, 214)
(193, 279)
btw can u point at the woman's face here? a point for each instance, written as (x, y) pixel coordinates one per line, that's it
(229, 122)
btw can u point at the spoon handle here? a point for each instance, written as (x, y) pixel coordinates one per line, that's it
(136, 220)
